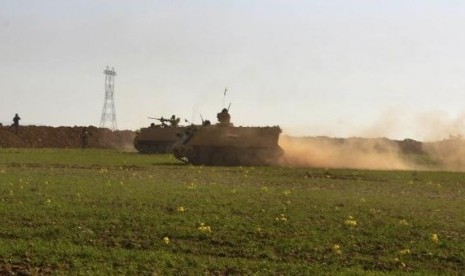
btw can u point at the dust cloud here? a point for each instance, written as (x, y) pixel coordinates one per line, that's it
(449, 154)
(376, 153)
(438, 125)
(353, 153)
(443, 146)
(445, 138)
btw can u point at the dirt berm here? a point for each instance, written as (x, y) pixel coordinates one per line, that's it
(64, 137)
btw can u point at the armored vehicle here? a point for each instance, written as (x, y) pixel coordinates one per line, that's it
(158, 138)
(223, 144)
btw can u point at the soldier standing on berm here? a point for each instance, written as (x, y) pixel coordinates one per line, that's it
(16, 123)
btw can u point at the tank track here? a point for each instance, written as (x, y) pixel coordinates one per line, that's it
(149, 148)
(233, 156)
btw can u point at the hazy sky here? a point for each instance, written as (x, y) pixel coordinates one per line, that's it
(369, 68)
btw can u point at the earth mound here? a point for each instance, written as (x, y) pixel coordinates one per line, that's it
(64, 137)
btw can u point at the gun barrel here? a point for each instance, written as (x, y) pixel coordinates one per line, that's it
(159, 119)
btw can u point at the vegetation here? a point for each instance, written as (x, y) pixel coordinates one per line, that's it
(110, 212)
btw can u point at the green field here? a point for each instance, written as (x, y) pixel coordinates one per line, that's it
(110, 212)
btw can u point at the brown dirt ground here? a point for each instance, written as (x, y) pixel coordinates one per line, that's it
(64, 137)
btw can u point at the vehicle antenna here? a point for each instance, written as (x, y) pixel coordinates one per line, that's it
(224, 96)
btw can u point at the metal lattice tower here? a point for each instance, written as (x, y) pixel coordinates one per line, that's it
(108, 112)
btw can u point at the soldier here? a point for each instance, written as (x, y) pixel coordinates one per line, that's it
(15, 124)
(224, 117)
(163, 120)
(84, 137)
(174, 121)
